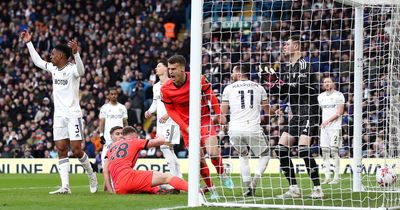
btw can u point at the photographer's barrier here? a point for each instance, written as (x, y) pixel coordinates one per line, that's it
(34, 166)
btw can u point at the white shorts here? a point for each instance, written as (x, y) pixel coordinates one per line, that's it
(330, 138)
(244, 140)
(68, 128)
(171, 133)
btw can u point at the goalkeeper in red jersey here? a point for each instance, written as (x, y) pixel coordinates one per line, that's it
(175, 95)
(122, 156)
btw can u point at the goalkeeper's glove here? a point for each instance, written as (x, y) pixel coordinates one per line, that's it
(267, 75)
(102, 139)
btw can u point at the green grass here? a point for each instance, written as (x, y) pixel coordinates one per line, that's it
(30, 191)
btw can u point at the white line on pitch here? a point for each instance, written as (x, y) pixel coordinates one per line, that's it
(34, 188)
(172, 207)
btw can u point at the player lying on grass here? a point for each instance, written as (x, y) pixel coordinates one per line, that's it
(122, 155)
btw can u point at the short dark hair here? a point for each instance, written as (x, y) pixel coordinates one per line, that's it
(67, 51)
(244, 69)
(179, 59)
(163, 61)
(296, 39)
(114, 129)
(128, 130)
(112, 89)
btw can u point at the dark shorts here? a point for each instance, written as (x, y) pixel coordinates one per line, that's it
(303, 125)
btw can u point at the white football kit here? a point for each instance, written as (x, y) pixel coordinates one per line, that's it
(244, 98)
(113, 115)
(68, 123)
(330, 135)
(170, 129)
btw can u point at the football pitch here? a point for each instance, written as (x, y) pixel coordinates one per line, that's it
(30, 191)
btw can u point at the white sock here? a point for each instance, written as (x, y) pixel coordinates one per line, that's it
(261, 166)
(172, 161)
(245, 170)
(86, 163)
(327, 164)
(336, 161)
(63, 170)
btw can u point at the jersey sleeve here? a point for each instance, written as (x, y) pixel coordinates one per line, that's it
(164, 95)
(340, 99)
(79, 69)
(263, 93)
(102, 114)
(319, 99)
(225, 94)
(205, 85)
(153, 106)
(38, 61)
(124, 112)
(208, 92)
(140, 144)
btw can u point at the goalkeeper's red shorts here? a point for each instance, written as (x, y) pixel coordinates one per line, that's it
(134, 182)
(207, 130)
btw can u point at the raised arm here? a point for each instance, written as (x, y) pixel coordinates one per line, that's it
(26, 37)
(78, 61)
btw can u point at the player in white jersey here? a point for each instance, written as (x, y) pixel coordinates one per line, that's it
(245, 99)
(332, 104)
(111, 114)
(67, 124)
(165, 125)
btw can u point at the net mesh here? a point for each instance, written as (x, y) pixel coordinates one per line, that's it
(254, 32)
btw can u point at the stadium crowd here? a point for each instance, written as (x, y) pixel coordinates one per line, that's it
(121, 42)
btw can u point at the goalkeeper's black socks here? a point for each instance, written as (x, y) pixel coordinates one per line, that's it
(287, 165)
(312, 169)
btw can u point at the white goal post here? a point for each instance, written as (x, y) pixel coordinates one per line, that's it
(222, 23)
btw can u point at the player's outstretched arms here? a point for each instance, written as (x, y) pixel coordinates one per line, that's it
(158, 141)
(73, 44)
(26, 37)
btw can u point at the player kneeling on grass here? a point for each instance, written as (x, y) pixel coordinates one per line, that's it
(121, 178)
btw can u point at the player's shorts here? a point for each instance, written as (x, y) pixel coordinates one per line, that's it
(330, 138)
(206, 131)
(255, 141)
(303, 125)
(134, 181)
(171, 132)
(68, 128)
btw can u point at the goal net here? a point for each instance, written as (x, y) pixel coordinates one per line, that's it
(363, 59)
